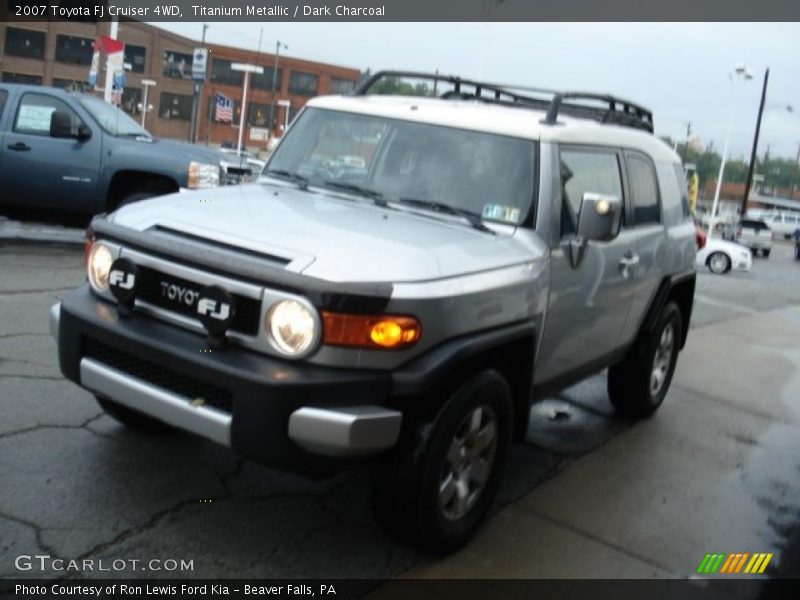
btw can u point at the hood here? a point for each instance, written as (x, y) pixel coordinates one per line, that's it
(172, 148)
(328, 236)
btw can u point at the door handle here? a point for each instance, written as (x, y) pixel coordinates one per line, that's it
(19, 147)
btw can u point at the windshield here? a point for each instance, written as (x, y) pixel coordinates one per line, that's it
(110, 118)
(489, 175)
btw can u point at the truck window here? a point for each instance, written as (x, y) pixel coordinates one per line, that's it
(586, 171)
(3, 98)
(644, 188)
(33, 115)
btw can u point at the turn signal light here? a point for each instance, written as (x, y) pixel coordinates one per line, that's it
(369, 331)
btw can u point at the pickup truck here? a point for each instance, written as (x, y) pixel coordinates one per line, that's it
(753, 233)
(75, 153)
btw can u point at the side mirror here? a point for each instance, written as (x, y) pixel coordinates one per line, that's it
(599, 221)
(600, 217)
(60, 125)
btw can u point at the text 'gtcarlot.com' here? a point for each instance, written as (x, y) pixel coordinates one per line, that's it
(44, 563)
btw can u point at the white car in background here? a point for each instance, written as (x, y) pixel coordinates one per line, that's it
(721, 256)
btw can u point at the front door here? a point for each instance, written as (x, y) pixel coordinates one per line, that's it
(589, 302)
(39, 171)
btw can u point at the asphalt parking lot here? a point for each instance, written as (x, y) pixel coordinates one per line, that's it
(75, 485)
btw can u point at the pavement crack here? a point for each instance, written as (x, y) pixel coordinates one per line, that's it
(37, 531)
(593, 537)
(36, 291)
(8, 336)
(38, 426)
(19, 376)
(31, 363)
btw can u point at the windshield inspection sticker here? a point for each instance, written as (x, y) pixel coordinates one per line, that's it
(500, 212)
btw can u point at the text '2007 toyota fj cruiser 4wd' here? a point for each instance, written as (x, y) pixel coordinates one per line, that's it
(491, 246)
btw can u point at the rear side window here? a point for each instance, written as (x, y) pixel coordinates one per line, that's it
(586, 171)
(3, 98)
(33, 115)
(642, 177)
(683, 186)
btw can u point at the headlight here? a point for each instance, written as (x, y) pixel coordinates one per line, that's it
(98, 265)
(292, 327)
(203, 175)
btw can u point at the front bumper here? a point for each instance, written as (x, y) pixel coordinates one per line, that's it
(289, 414)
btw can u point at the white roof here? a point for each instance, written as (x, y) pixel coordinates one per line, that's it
(505, 120)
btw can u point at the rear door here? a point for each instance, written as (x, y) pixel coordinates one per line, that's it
(589, 303)
(38, 171)
(651, 239)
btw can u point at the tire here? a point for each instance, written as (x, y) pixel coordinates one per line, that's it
(719, 263)
(797, 252)
(765, 252)
(132, 418)
(436, 488)
(638, 384)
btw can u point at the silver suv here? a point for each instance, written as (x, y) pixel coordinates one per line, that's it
(408, 275)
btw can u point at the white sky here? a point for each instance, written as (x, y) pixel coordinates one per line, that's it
(679, 70)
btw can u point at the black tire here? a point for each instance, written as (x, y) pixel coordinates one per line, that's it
(797, 252)
(765, 252)
(631, 388)
(406, 486)
(132, 418)
(719, 263)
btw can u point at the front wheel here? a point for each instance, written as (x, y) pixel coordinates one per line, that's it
(765, 252)
(719, 263)
(638, 384)
(436, 490)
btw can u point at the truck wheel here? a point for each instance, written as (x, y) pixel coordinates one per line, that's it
(637, 385)
(437, 487)
(719, 263)
(766, 252)
(132, 418)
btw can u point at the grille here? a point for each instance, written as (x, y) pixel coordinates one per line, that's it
(246, 311)
(158, 375)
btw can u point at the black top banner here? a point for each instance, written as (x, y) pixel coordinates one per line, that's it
(401, 10)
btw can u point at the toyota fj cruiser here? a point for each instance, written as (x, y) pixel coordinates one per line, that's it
(491, 246)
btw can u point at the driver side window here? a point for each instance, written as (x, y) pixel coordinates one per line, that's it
(585, 170)
(33, 115)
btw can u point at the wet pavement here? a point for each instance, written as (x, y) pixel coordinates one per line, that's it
(589, 494)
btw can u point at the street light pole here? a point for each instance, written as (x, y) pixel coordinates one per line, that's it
(749, 180)
(746, 75)
(794, 174)
(278, 46)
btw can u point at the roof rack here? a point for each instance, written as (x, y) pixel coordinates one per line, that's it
(600, 107)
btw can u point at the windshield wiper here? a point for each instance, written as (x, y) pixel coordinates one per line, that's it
(376, 197)
(302, 182)
(473, 218)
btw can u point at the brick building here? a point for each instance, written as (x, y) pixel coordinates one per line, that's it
(60, 53)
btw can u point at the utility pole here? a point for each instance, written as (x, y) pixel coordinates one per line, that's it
(794, 174)
(198, 96)
(272, 115)
(686, 144)
(749, 181)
